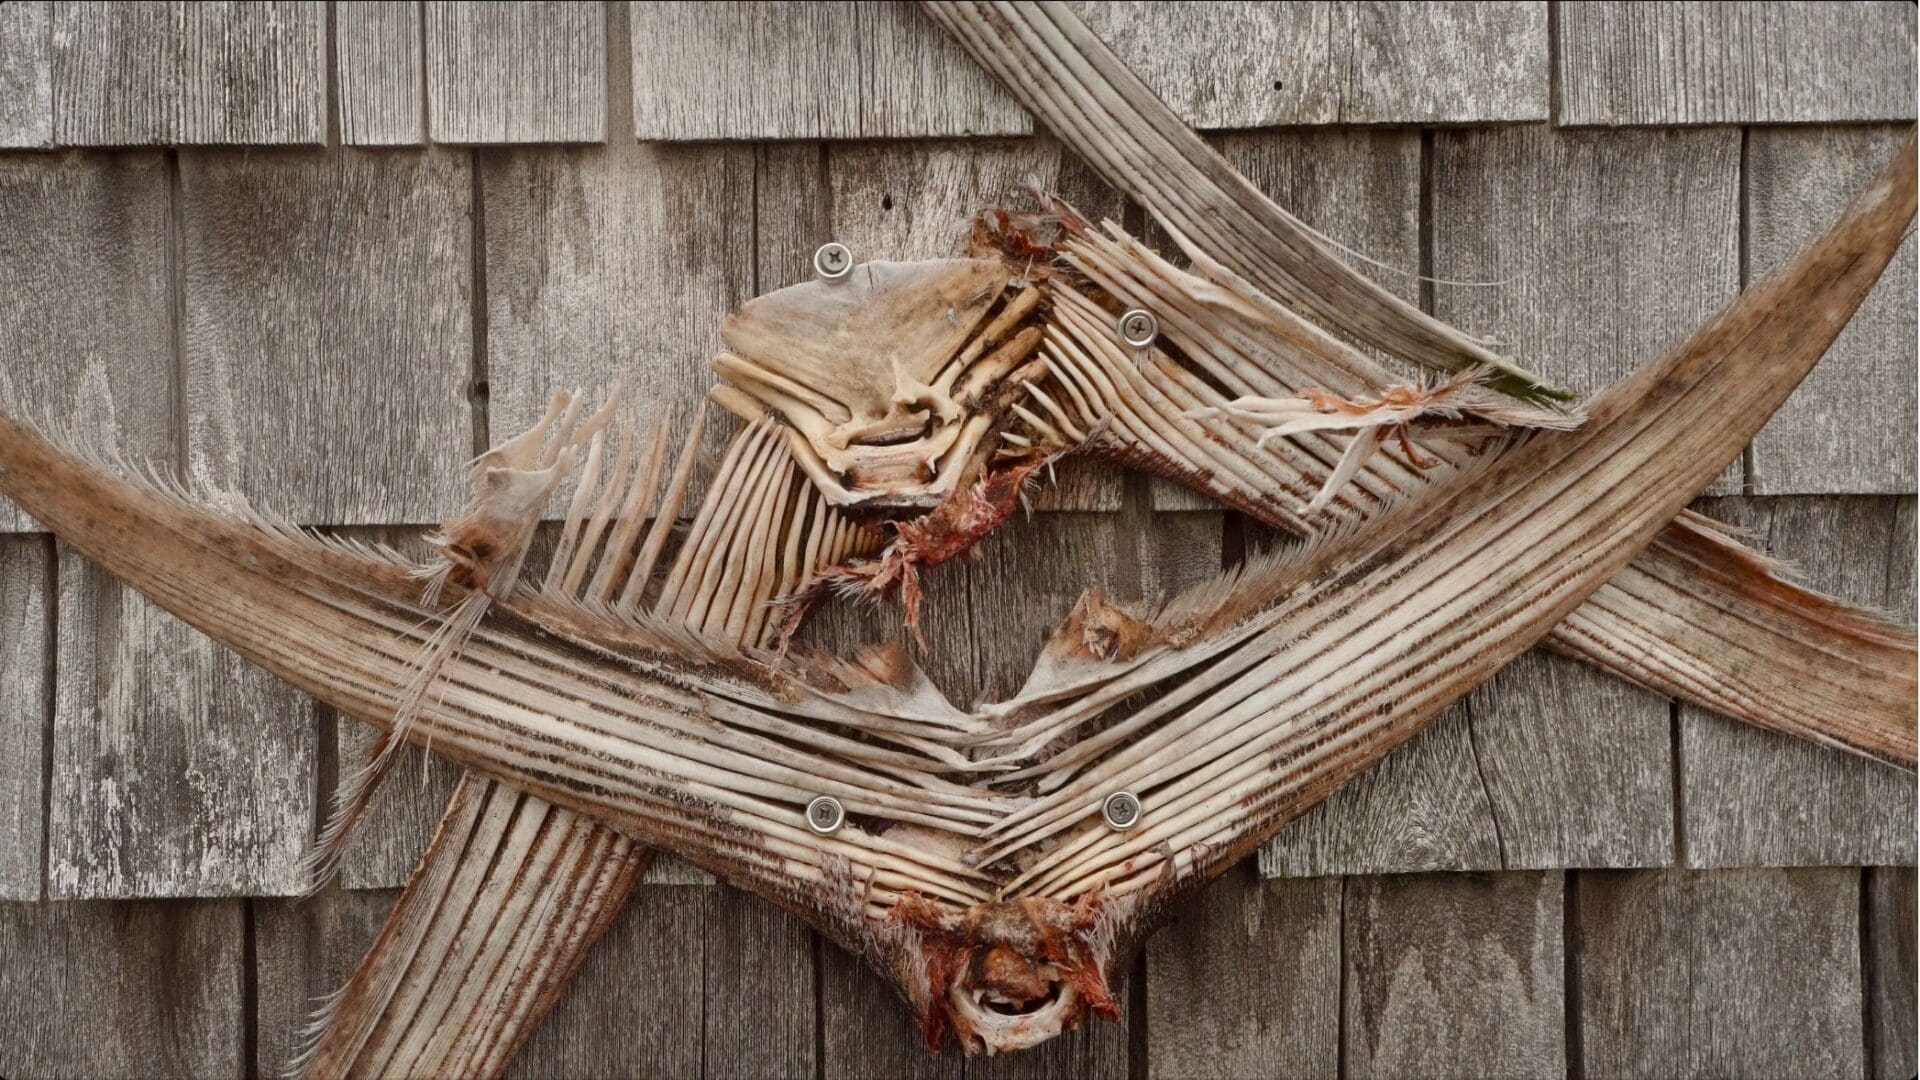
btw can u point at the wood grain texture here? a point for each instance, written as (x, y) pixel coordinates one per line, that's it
(85, 332)
(1360, 188)
(1720, 973)
(127, 73)
(866, 1031)
(1578, 765)
(635, 1007)
(111, 990)
(1849, 428)
(908, 201)
(1889, 972)
(378, 72)
(1266, 64)
(1758, 798)
(760, 1005)
(1711, 63)
(303, 951)
(26, 669)
(327, 334)
(516, 73)
(1454, 974)
(1608, 246)
(26, 74)
(614, 263)
(178, 769)
(1245, 981)
(806, 71)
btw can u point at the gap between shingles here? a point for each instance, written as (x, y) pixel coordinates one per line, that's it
(1570, 947)
(49, 701)
(1743, 214)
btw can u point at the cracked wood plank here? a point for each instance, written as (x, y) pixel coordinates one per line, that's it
(516, 73)
(83, 267)
(1758, 798)
(1454, 974)
(1245, 981)
(593, 275)
(378, 73)
(327, 333)
(1849, 427)
(180, 73)
(178, 768)
(1267, 64)
(909, 201)
(26, 669)
(1720, 973)
(144, 988)
(1890, 977)
(26, 74)
(1713, 63)
(806, 71)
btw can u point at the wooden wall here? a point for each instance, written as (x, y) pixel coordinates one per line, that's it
(323, 251)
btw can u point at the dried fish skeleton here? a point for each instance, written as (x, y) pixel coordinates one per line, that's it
(634, 693)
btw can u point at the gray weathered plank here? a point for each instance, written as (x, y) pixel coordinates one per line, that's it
(26, 74)
(85, 332)
(178, 768)
(189, 73)
(1360, 188)
(1245, 981)
(613, 263)
(141, 989)
(326, 332)
(866, 1032)
(1454, 975)
(759, 982)
(916, 200)
(26, 666)
(1608, 246)
(1758, 798)
(1578, 765)
(303, 951)
(1721, 973)
(1890, 976)
(806, 71)
(394, 833)
(636, 1006)
(1713, 63)
(1849, 427)
(378, 73)
(1261, 64)
(516, 73)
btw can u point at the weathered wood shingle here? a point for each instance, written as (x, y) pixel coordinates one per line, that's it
(128, 73)
(26, 666)
(516, 73)
(1622, 62)
(379, 78)
(327, 332)
(26, 74)
(1721, 973)
(1248, 65)
(1849, 427)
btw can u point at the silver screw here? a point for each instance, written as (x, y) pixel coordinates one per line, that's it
(1121, 810)
(825, 815)
(1139, 328)
(833, 261)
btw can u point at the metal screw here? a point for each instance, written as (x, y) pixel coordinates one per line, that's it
(825, 815)
(833, 261)
(1121, 810)
(1139, 328)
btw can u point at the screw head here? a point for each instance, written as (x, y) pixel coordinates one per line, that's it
(1139, 328)
(1122, 811)
(825, 815)
(833, 261)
